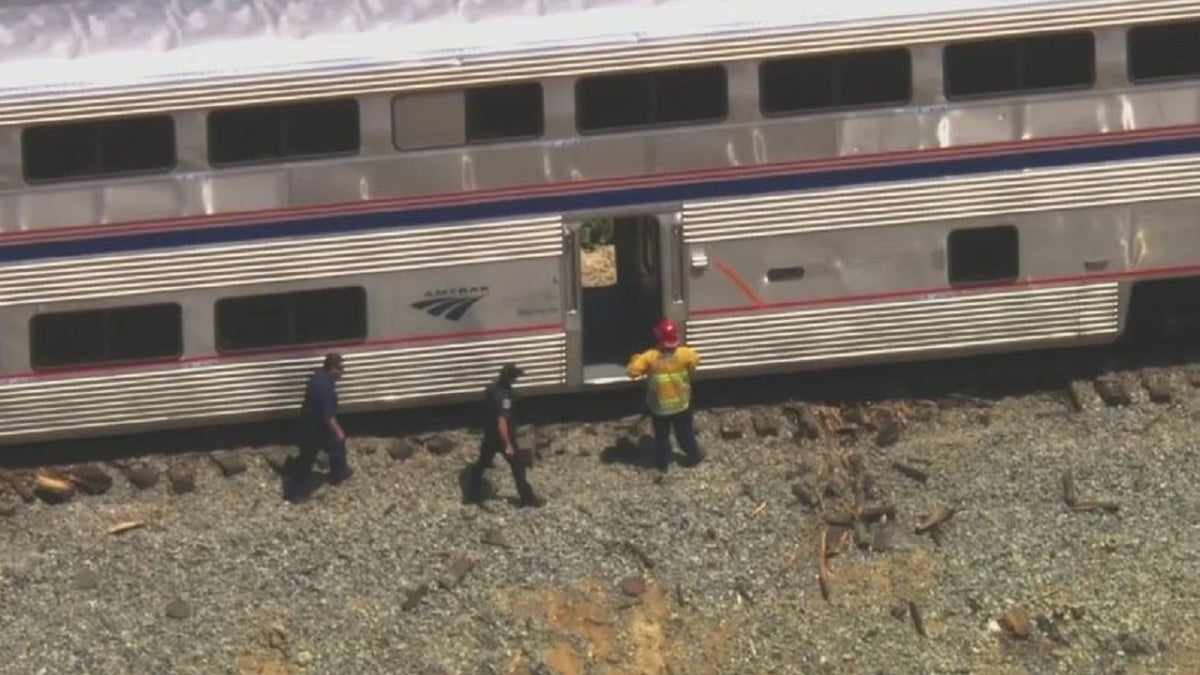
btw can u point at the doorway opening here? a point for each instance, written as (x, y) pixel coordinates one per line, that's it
(622, 291)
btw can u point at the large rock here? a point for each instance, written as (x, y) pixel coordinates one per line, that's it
(1113, 391)
(401, 449)
(179, 609)
(455, 573)
(277, 459)
(91, 479)
(1016, 623)
(230, 463)
(182, 479)
(142, 476)
(439, 444)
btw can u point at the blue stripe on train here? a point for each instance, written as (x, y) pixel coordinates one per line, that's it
(602, 200)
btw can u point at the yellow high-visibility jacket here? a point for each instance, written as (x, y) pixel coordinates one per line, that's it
(668, 378)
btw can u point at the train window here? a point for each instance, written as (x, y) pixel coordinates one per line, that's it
(1164, 51)
(658, 98)
(277, 132)
(816, 83)
(999, 67)
(778, 274)
(504, 111)
(81, 150)
(285, 319)
(982, 255)
(99, 336)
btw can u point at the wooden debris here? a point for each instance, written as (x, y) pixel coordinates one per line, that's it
(53, 488)
(806, 496)
(126, 526)
(1089, 505)
(822, 568)
(870, 514)
(911, 472)
(1068, 489)
(839, 519)
(918, 622)
(936, 519)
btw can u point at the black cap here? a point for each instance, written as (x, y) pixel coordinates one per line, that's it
(510, 371)
(333, 360)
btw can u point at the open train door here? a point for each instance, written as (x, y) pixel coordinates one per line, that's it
(625, 280)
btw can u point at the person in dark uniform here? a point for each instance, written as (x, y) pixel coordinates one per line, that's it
(500, 436)
(319, 429)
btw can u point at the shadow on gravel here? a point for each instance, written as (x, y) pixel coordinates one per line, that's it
(987, 377)
(486, 489)
(637, 453)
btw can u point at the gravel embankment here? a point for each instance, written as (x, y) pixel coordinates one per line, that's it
(712, 570)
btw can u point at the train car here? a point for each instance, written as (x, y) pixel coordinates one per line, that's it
(198, 199)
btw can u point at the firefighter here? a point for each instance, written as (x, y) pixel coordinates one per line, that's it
(668, 369)
(500, 436)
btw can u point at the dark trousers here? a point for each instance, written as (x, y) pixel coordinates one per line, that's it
(685, 435)
(302, 466)
(488, 450)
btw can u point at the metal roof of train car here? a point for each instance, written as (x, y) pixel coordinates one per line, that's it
(57, 51)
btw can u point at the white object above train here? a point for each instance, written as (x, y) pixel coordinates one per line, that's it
(51, 51)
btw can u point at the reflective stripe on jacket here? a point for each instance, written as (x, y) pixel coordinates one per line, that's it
(668, 378)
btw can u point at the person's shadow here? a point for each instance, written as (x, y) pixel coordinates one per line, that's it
(477, 494)
(626, 450)
(296, 488)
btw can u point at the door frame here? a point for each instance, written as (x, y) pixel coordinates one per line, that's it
(673, 274)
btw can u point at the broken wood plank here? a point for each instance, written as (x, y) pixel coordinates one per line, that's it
(870, 514)
(911, 472)
(914, 613)
(1069, 495)
(936, 519)
(839, 519)
(1089, 505)
(126, 526)
(822, 570)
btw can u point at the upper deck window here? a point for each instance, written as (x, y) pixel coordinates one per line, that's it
(1164, 51)
(1007, 66)
(504, 111)
(98, 148)
(804, 84)
(658, 98)
(272, 133)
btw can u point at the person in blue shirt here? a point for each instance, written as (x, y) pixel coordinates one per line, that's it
(319, 428)
(500, 436)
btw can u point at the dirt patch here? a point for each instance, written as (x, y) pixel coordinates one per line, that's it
(619, 640)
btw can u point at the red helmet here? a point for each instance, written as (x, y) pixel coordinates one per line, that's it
(666, 334)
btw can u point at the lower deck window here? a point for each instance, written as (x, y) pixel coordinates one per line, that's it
(982, 255)
(101, 336)
(287, 319)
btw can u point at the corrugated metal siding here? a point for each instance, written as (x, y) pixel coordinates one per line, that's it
(533, 63)
(279, 260)
(952, 198)
(926, 325)
(211, 391)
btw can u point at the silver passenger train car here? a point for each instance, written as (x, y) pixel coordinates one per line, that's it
(198, 198)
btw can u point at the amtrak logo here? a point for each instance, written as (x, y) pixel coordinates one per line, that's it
(450, 303)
